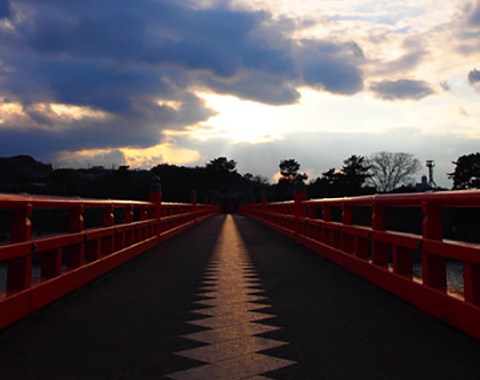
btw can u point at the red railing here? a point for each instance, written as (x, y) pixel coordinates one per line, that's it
(386, 257)
(42, 269)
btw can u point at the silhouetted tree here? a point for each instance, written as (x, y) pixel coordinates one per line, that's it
(325, 186)
(349, 180)
(222, 164)
(389, 170)
(289, 174)
(289, 169)
(355, 171)
(467, 172)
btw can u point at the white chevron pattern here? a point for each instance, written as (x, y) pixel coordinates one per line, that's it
(230, 286)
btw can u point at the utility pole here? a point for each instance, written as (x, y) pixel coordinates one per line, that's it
(430, 166)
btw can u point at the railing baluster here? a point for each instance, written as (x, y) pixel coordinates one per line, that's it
(379, 249)
(471, 283)
(433, 266)
(75, 251)
(327, 217)
(129, 220)
(347, 242)
(19, 272)
(108, 221)
(402, 260)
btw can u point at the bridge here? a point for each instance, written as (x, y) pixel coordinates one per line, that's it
(307, 289)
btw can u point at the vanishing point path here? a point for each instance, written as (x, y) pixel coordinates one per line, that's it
(230, 299)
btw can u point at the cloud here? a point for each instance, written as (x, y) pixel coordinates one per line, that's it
(140, 65)
(404, 64)
(474, 14)
(131, 63)
(445, 86)
(474, 78)
(331, 66)
(257, 86)
(404, 89)
(466, 27)
(228, 46)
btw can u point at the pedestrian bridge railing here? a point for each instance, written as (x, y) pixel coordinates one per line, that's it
(40, 268)
(412, 265)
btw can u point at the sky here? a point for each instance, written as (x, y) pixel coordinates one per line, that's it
(145, 82)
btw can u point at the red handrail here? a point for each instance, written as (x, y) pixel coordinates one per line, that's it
(70, 260)
(385, 257)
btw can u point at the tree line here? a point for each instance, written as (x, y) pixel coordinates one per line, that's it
(219, 181)
(382, 172)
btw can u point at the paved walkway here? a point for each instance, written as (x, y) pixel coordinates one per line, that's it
(230, 299)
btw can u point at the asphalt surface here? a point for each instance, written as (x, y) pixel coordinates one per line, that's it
(129, 324)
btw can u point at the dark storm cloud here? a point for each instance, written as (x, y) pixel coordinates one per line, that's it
(122, 58)
(404, 89)
(220, 42)
(332, 67)
(118, 36)
(257, 86)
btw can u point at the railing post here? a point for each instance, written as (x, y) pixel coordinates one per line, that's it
(326, 217)
(129, 220)
(193, 199)
(143, 216)
(471, 283)
(434, 268)
(263, 207)
(379, 249)
(347, 244)
(312, 215)
(75, 252)
(156, 199)
(300, 209)
(108, 221)
(19, 273)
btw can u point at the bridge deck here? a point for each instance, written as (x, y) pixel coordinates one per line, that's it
(230, 299)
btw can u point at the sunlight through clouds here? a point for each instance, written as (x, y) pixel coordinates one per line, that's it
(162, 153)
(244, 121)
(135, 158)
(39, 113)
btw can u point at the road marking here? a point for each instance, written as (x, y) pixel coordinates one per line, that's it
(234, 300)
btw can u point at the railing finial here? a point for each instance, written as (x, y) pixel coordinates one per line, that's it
(155, 185)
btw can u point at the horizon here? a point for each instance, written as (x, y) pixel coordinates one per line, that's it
(270, 181)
